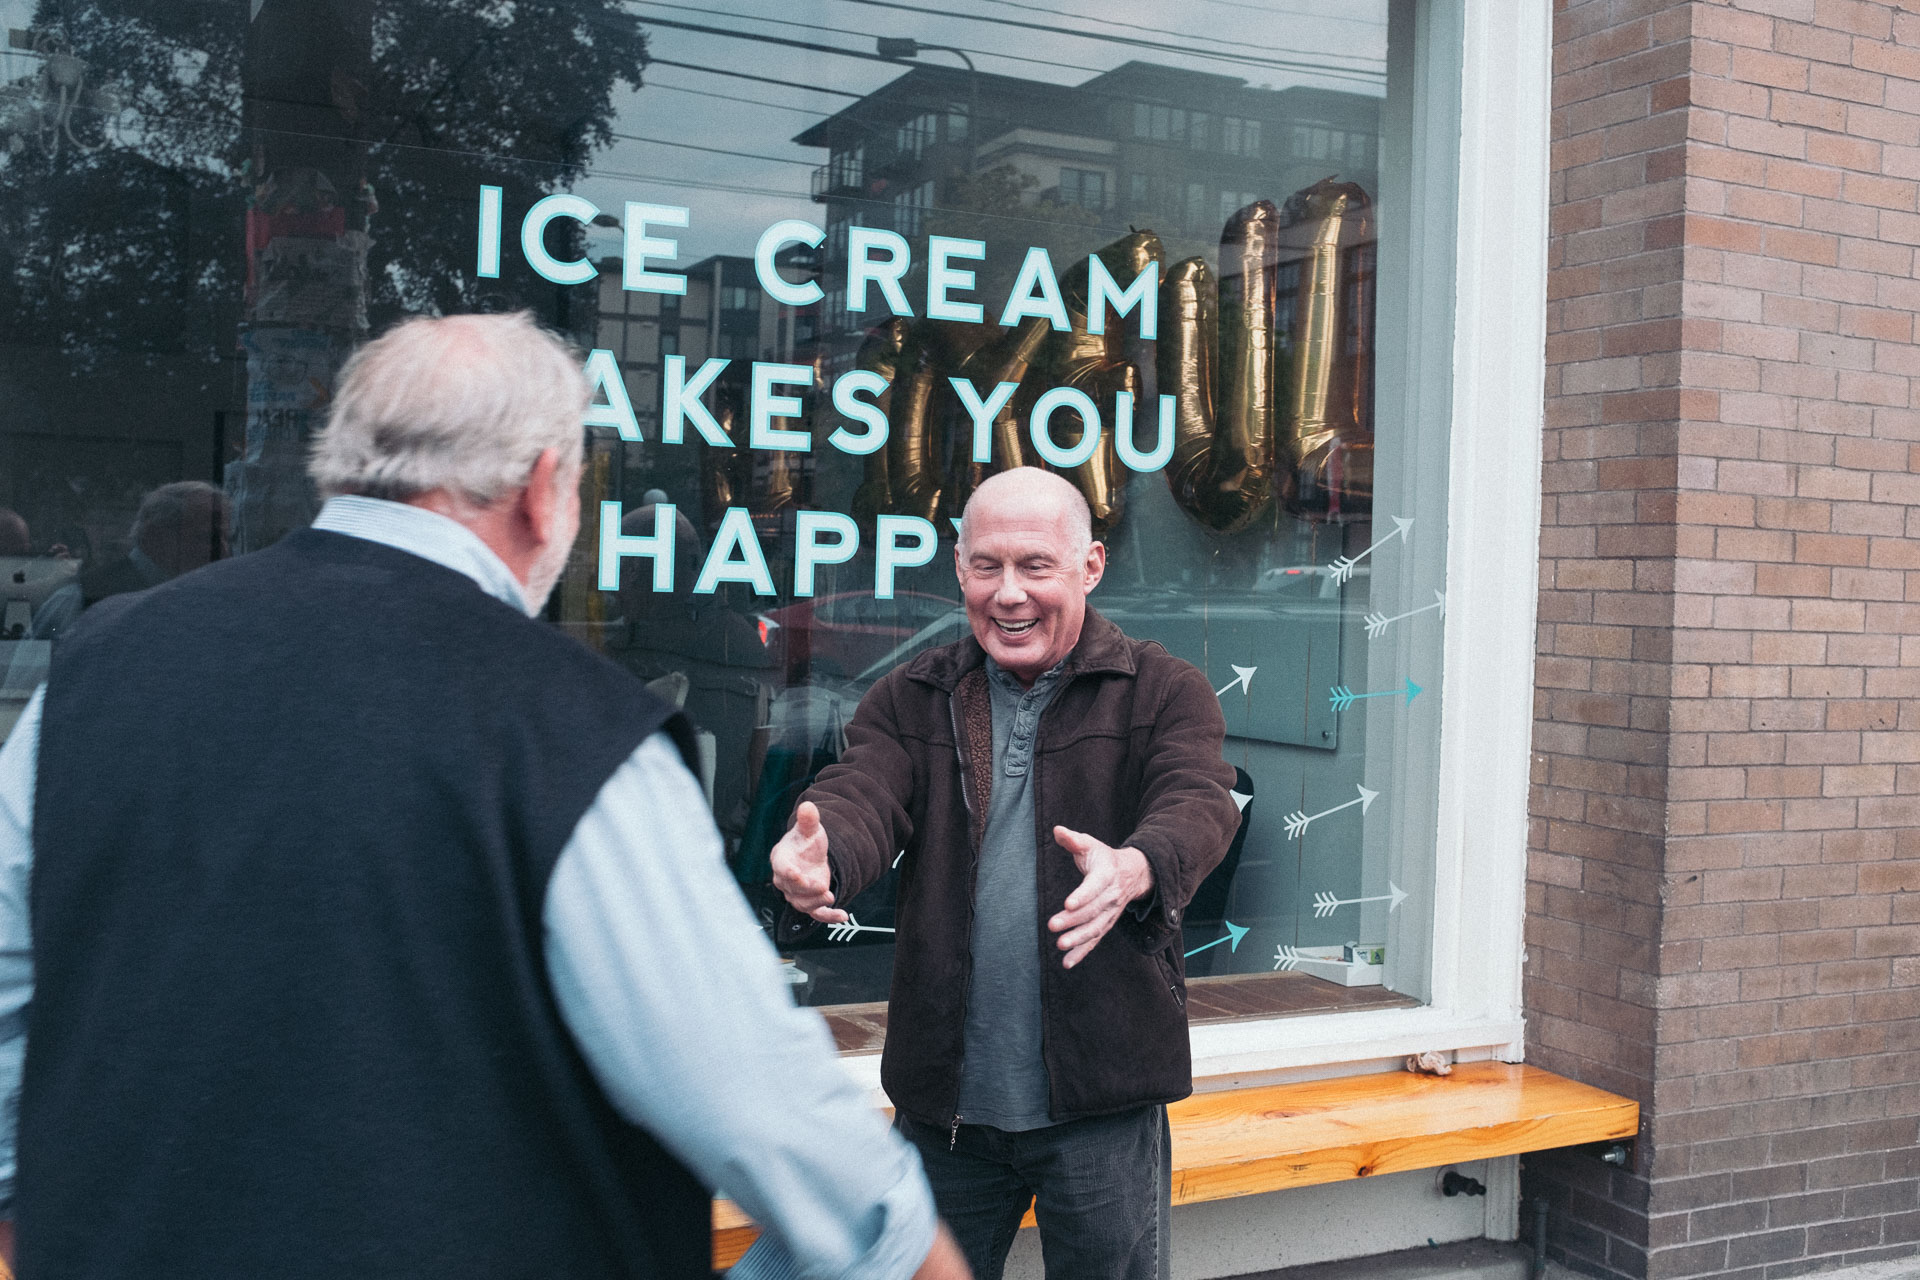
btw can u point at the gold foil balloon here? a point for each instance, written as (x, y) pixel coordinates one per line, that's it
(1040, 358)
(1268, 363)
(1328, 432)
(1222, 467)
(880, 354)
(920, 356)
(761, 480)
(1271, 368)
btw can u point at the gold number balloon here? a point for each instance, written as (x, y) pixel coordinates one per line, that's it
(1271, 366)
(1269, 362)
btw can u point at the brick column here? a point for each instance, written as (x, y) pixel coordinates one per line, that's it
(1722, 917)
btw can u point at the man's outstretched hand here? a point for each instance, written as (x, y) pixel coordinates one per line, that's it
(800, 870)
(1114, 877)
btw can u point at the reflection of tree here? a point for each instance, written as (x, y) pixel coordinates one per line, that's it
(136, 247)
(131, 248)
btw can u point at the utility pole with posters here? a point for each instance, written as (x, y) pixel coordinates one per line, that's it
(307, 71)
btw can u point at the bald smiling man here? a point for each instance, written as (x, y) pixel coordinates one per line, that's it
(1059, 793)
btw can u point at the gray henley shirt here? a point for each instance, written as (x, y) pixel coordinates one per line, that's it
(1003, 1077)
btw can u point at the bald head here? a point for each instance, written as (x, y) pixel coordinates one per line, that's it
(1031, 490)
(1027, 561)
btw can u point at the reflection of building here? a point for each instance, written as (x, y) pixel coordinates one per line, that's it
(1142, 145)
(724, 313)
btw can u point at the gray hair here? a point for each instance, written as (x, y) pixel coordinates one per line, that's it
(171, 508)
(1047, 488)
(464, 404)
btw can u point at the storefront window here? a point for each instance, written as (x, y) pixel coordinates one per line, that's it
(1151, 244)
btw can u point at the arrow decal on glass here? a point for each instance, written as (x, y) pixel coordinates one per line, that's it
(1325, 904)
(1235, 932)
(846, 929)
(1242, 676)
(1342, 569)
(1379, 622)
(1343, 697)
(1299, 820)
(1285, 957)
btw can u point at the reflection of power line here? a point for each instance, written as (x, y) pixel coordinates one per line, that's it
(1158, 46)
(1269, 9)
(742, 75)
(718, 151)
(1274, 9)
(695, 184)
(1158, 31)
(1317, 69)
(844, 31)
(733, 34)
(810, 46)
(730, 97)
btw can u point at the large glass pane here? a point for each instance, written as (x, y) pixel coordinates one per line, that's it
(801, 240)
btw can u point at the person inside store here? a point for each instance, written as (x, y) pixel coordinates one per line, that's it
(1059, 793)
(178, 528)
(14, 538)
(380, 929)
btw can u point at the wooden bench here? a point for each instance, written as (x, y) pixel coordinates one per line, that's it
(1240, 1142)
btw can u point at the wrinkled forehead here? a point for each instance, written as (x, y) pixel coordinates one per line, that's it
(1001, 532)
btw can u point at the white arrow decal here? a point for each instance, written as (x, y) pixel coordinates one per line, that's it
(846, 929)
(1241, 800)
(1325, 904)
(1379, 622)
(1342, 569)
(1242, 676)
(1299, 820)
(1285, 957)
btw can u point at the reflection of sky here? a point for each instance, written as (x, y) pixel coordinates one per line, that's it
(15, 14)
(740, 142)
(721, 144)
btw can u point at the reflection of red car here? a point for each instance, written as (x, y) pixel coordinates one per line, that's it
(844, 634)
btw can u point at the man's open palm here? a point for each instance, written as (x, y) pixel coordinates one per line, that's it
(1114, 877)
(800, 870)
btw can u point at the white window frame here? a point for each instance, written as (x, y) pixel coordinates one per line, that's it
(1482, 79)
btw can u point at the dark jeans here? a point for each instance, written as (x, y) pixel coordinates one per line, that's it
(1100, 1189)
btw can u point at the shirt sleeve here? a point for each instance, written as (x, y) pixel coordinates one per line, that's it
(675, 997)
(56, 611)
(18, 759)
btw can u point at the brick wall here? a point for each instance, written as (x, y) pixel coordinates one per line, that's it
(1725, 871)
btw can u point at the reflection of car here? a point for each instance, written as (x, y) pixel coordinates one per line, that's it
(1314, 580)
(845, 633)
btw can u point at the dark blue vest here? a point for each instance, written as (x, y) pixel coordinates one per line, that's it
(295, 819)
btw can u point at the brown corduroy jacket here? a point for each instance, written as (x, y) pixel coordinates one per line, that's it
(1128, 751)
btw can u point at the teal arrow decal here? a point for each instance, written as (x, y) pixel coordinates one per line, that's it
(1344, 697)
(1235, 932)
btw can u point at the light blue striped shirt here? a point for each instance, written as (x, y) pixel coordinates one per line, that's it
(668, 985)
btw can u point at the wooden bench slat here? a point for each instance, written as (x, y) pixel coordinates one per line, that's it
(1245, 1141)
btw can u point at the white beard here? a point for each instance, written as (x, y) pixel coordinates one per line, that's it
(545, 573)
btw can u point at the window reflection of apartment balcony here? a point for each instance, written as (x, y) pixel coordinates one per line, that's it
(836, 181)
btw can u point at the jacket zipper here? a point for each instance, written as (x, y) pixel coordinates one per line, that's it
(966, 990)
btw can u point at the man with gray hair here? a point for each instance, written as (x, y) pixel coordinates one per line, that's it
(1054, 793)
(178, 528)
(378, 929)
